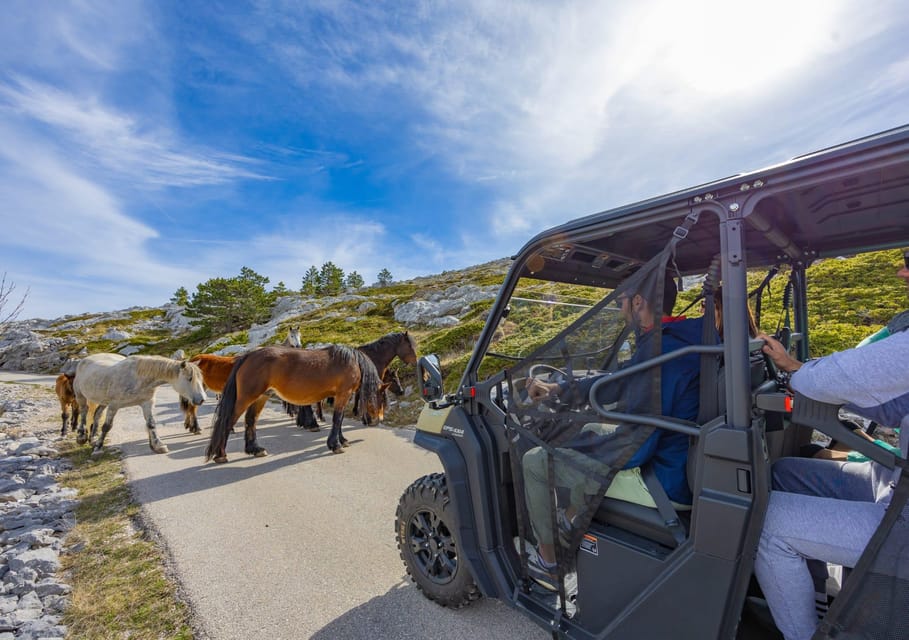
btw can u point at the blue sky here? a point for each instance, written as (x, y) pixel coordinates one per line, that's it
(148, 146)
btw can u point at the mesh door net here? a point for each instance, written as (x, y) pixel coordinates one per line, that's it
(874, 603)
(566, 452)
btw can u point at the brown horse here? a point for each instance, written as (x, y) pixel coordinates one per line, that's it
(215, 372)
(300, 376)
(381, 352)
(69, 408)
(384, 350)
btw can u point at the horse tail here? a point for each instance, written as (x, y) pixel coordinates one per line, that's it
(369, 379)
(224, 412)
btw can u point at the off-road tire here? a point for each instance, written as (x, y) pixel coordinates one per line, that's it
(425, 523)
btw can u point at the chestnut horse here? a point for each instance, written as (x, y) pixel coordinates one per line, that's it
(69, 408)
(381, 352)
(300, 376)
(215, 371)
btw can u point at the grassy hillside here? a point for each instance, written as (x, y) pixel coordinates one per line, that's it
(850, 298)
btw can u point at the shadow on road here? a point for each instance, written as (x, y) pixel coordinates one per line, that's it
(404, 613)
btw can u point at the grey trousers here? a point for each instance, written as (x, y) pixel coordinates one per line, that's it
(818, 509)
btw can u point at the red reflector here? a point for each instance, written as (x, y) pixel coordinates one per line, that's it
(788, 404)
(473, 392)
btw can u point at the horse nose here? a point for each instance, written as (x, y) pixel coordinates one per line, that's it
(197, 400)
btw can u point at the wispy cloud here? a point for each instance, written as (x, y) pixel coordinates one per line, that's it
(116, 142)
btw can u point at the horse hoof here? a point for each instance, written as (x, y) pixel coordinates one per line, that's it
(195, 431)
(313, 429)
(162, 449)
(337, 450)
(345, 444)
(220, 459)
(81, 440)
(97, 452)
(261, 453)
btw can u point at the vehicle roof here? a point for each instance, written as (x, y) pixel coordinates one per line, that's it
(842, 200)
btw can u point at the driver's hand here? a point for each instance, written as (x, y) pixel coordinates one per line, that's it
(777, 352)
(538, 390)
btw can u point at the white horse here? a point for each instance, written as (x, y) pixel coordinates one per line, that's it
(293, 338)
(112, 381)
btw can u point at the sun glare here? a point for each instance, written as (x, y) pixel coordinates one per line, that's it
(724, 47)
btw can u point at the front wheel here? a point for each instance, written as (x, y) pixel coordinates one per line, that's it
(424, 525)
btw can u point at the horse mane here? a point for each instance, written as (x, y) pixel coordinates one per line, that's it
(156, 367)
(342, 352)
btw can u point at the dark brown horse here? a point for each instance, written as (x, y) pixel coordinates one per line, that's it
(300, 376)
(385, 349)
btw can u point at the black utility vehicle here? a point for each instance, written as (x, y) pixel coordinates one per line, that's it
(629, 568)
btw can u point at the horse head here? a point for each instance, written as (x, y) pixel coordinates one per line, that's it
(393, 382)
(407, 348)
(375, 406)
(189, 383)
(293, 338)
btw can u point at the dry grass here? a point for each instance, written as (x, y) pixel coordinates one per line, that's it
(120, 588)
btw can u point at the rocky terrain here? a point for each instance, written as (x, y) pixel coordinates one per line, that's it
(427, 304)
(35, 515)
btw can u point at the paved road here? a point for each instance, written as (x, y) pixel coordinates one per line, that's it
(299, 544)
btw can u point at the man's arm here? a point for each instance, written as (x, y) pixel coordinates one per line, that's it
(866, 377)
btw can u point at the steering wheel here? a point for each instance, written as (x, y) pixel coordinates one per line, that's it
(541, 369)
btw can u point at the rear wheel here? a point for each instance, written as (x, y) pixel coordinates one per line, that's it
(425, 525)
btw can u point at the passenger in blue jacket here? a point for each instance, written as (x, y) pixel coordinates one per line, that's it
(667, 451)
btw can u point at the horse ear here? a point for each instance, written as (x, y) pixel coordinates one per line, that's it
(183, 364)
(384, 386)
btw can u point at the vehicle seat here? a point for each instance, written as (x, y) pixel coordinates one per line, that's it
(640, 520)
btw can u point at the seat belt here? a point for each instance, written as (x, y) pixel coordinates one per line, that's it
(663, 504)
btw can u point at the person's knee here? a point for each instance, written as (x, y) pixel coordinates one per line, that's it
(535, 462)
(784, 470)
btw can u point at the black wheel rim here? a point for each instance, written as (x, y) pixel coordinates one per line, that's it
(432, 546)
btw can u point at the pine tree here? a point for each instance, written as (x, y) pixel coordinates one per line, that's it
(180, 297)
(384, 277)
(331, 279)
(354, 281)
(231, 304)
(310, 285)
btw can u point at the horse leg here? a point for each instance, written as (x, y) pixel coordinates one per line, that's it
(319, 411)
(306, 419)
(153, 440)
(98, 446)
(65, 415)
(190, 416)
(252, 415)
(74, 419)
(99, 409)
(83, 411)
(336, 440)
(251, 445)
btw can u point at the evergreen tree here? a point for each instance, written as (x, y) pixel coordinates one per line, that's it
(280, 289)
(354, 280)
(230, 304)
(310, 285)
(180, 297)
(331, 279)
(384, 277)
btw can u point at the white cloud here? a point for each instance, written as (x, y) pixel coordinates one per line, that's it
(116, 142)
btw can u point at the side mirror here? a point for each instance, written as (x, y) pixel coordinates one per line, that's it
(429, 372)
